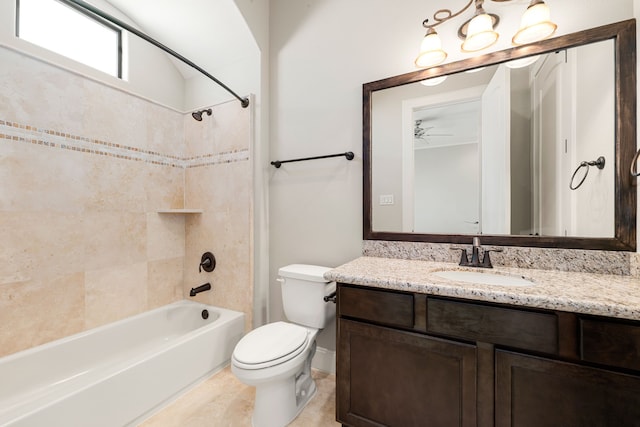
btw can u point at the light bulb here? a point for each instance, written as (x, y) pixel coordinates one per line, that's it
(522, 62)
(434, 81)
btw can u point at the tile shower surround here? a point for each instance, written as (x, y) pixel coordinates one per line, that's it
(27, 134)
(84, 168)
(97, 289)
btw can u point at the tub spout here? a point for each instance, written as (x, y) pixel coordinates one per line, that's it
(201, 288)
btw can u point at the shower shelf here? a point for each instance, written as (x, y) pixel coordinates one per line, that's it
(180, 211)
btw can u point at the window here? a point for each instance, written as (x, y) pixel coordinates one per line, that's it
(68, 31)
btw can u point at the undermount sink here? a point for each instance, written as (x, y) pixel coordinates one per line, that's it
(483, 277)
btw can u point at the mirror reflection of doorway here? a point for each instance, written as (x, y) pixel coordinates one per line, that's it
(563, 97)
(446, 164)
(553, 125)
(462, 157)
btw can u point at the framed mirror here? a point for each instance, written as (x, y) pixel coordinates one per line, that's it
(530, 146)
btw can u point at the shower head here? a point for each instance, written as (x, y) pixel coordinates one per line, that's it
(198, 114)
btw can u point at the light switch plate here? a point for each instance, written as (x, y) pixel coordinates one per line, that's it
(386, 199)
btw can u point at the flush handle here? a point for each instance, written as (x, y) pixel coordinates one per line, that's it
(332, 297)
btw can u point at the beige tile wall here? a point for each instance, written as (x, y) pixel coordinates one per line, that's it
(83, 170)
(223, 191)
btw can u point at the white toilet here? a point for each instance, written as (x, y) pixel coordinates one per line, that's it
(276, 358)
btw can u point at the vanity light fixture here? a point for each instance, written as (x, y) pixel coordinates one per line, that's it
(535, 24)
(431, 52)
(479, 33)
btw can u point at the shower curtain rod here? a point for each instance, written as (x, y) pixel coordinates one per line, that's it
(95, 11)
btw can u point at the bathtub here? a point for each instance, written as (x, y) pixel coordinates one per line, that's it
(118, 374)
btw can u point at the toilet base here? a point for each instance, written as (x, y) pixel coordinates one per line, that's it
(267, 415)
(280, 401)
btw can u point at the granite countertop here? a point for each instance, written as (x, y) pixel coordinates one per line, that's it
(587, 293)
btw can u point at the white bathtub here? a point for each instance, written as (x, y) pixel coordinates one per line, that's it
(117, 374)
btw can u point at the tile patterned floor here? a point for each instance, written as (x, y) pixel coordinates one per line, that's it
(223, 401)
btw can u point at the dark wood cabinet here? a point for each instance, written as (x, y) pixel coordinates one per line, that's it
(538, 392)
(406, 359)
(398, 378)
(525, 329)
(612, 343)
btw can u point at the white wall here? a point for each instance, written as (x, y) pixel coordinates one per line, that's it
(238, 63)
(256, 14)
(321, 53)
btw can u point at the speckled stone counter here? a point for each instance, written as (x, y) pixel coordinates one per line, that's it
(587, 293)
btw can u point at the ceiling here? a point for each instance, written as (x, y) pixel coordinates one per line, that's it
(210, 33)
(453, 119)
(446, 125)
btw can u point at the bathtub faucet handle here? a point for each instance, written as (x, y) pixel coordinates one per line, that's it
(207, 262)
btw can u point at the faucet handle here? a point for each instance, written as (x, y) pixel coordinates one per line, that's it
(486, 260)
(207, 262)
(464, 258)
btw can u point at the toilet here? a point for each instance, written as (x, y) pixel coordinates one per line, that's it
(276, 358)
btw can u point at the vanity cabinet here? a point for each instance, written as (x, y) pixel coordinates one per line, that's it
(406, 359)
(398, 378)
(533, 391)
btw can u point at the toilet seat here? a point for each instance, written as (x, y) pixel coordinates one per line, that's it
(270, 345)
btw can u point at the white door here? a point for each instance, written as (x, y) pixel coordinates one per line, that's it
(592, 212)
(549, 150)
(495, 155)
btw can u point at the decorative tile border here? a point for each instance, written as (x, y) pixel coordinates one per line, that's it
(10, 131)
(213, 159)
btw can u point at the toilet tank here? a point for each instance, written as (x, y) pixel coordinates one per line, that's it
(303, 292)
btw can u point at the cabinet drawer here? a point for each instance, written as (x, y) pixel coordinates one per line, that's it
(389, 308)
(503, 326)
(610, 343)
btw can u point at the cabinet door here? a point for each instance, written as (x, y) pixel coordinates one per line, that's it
(537, 392)
(395, 378)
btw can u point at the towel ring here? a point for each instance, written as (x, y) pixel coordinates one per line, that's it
(599, 163)
(634, 165)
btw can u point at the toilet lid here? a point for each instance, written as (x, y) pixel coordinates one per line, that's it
(271, 342)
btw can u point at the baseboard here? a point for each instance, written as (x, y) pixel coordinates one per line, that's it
(324, 360)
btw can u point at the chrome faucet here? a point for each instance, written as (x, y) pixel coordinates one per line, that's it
(475, 255)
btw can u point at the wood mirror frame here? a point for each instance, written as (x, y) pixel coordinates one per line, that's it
(624, 36)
